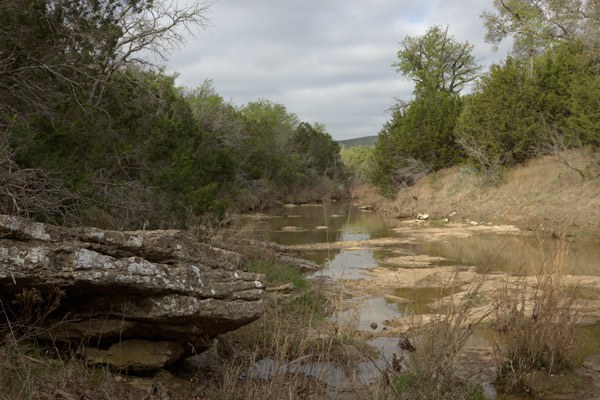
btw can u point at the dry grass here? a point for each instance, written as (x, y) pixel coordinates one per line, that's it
(32, 371)
(541, 194)
(537, 320)
(429, 372)
(290, 353)
(270, 358)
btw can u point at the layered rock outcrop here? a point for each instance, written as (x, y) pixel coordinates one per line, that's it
(154, 286)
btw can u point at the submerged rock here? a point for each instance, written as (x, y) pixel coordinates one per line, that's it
(155, 286)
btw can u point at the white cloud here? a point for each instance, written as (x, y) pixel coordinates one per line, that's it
(325, 60)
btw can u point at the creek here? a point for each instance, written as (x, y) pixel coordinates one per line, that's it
(350, 244)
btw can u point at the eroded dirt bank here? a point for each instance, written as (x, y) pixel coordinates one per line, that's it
(544, 195)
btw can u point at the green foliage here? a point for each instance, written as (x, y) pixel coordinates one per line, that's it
(499, 125)
(537, 25)
(436, 62)
(583, 123)
(278, 274)
(319, 153)
(358, 161)
(420, 135)
(417, 139)
(118, 142)
(518, 112)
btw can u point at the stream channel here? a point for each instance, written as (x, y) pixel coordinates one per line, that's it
(390, 268)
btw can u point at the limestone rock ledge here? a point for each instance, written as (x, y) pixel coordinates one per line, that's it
(161, 286)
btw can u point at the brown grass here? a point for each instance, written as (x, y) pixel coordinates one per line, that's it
(294, 342)
(537, 320)
(429, 372)
(543, 194)
(293, 333)
(29, 370)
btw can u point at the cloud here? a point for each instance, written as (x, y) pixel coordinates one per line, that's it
(327, 61)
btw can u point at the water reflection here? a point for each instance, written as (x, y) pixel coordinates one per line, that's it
(487, 251)
(420, 298)
(348, 264)
(515, 253)
(343, 221)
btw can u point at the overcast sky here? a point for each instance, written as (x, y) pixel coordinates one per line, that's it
(327, 61)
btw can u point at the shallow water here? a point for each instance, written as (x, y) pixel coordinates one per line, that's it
(487, 252)
(514, 253)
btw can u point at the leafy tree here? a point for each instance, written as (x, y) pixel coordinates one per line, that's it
(107, 138)
(498, 125)
(56, 51)
(359, 162)
(319, 153)
(417, 139)
(420, 135)
(270, 130)
(221, 121)
(436, 62)
(537, 24)
(516, 112)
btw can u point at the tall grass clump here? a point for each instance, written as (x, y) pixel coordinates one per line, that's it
(291, 351)
(429, 370)
(536, 318)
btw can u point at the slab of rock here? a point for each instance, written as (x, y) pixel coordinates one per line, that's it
(283, 254)
(147, 285)
(136, 355)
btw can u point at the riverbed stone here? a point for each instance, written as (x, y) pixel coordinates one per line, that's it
(110, 286)
(136, 355)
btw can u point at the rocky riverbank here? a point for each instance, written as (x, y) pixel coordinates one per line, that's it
(135, 300)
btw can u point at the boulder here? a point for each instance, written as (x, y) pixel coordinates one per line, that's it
(155, 286)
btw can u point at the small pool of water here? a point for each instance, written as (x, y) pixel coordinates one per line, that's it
(421, 298)
(368, 314)
(516, 253)
(334, 222)
(348, 264)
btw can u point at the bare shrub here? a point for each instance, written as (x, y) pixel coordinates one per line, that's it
(536, 319)
(29, 192)
(587, 164)
(410, 171)
(490, 165)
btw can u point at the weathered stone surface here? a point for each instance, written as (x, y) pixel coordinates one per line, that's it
(283, 254)
(136, 355)
(149, 285)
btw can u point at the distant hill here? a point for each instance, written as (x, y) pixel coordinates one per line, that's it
(361, 141)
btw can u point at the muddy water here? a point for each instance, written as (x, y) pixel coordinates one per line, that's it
(484, 250)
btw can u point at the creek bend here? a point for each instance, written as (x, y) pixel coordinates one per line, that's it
(392, 269)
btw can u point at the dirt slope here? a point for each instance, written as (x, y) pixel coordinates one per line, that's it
(543, 195)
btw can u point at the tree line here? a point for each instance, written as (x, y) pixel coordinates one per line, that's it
(93, 131)
(543, 98)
